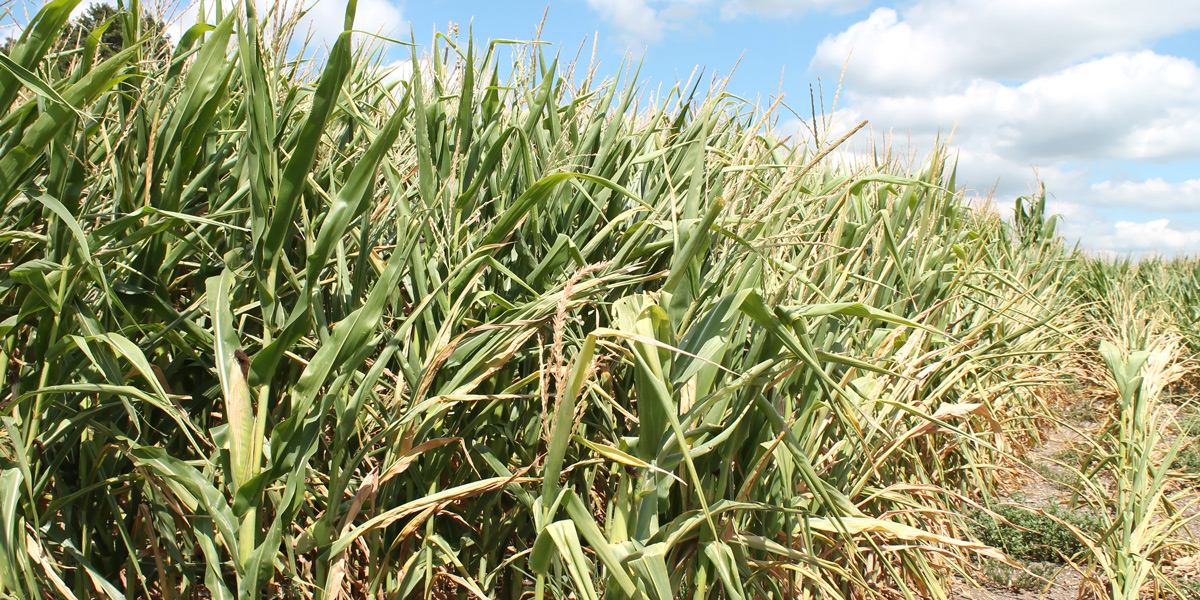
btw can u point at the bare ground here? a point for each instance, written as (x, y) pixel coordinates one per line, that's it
(1065, 586)
(1035, 485)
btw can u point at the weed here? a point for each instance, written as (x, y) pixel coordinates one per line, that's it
(1189, 588)
(1188, 419)
(1031, 536)
(1188, 459)
(1079, 411)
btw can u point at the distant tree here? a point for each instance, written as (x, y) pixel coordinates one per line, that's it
(112, 40)
(77, 31)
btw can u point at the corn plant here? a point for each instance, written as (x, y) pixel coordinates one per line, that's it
(1140, 512)
(274, 327)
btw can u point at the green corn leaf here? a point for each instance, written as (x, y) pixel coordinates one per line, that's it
(14, 164)
(564, 422)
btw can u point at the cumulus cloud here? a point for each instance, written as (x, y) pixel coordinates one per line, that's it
(1038, 92)
(327, 17)
(1131, 106)
(324, 20)
(1113, 216)
(1151, 194)
(1140, 238)
(1120, 107)
(786, 8)
(939, 43)
(1137, 106)
(636, 18)
(400, 70)
(1156, 236)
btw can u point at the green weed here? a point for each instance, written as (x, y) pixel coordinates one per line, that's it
(1034, 537)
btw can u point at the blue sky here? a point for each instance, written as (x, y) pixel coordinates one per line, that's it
(1102, 97)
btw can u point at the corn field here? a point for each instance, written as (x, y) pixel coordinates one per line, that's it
(501, 328)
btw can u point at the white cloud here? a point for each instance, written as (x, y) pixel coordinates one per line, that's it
(1121, 216)
(1151, 194)
(786, 8)
(636, 18)
(939, 43)
(1086, 207)
(1026, 91)
(401, 70)
(1127, 106)
(1141, 106)
(1157, 236)
(1153, 236)
(325, 18)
